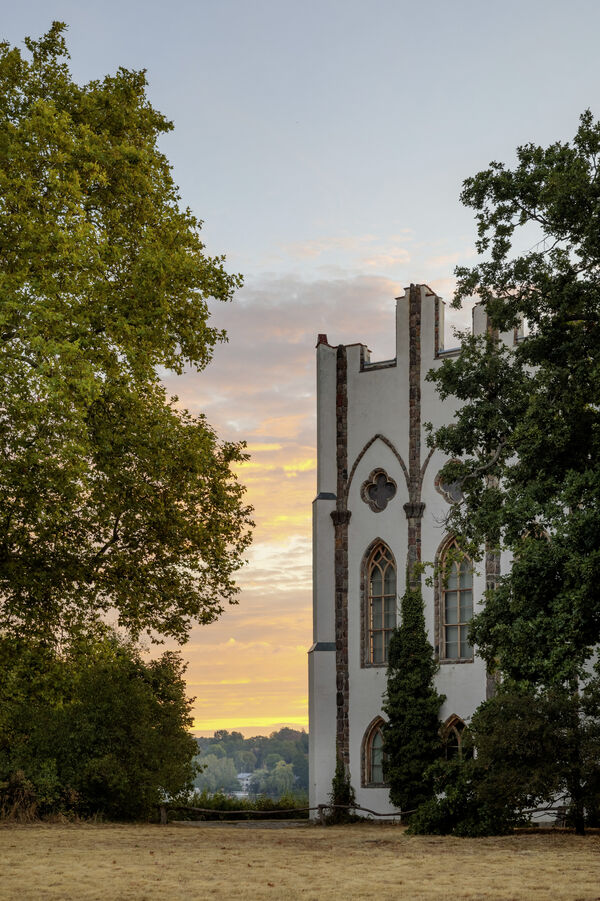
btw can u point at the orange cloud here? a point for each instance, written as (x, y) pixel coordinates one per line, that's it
(261, 448)
(301, 466)
(281, 426)
(241, 682)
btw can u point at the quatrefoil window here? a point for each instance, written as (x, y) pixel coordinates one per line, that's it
(451, 492)
(378, 490)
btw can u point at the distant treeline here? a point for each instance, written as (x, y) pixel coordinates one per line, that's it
(278, 763)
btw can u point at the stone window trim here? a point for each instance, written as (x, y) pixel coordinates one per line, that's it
(378, 490)
(452, 494)
(438, 597)
(363, 451)
(451, 733)
(519, 332)
(365, 649)
(366, 751)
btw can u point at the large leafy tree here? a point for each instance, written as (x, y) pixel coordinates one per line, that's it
(538, 751)
(541, 745)
(91, 728)
(111, 496)
(528, 431)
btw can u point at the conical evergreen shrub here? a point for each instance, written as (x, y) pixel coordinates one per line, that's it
(411, 736)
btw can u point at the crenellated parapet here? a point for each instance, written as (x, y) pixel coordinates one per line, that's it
(431, 335)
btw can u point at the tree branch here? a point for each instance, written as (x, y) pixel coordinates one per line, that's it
(484, 466)
(112, 540)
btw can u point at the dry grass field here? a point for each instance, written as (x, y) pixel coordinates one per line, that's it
(170, 863)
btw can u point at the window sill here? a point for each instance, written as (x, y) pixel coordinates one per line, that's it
(445, 660)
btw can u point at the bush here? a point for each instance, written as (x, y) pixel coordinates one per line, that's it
(457, 808)
(219, 806)
(341, 796)
(18, 798)
(91, 729)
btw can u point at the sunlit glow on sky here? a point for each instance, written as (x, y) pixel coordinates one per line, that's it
(324, 145)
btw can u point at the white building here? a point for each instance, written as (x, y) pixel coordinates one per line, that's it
(380, 505)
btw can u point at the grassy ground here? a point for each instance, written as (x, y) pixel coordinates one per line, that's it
(175, 862)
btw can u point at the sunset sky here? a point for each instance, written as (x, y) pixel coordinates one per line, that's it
(324, 144)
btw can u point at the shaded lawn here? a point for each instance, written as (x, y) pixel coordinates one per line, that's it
(48, 861)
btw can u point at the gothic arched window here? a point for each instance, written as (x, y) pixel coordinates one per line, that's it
(456, 604)
(452, 735)
(373, 754)
(381, 603)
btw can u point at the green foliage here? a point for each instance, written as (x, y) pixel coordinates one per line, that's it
(288, 807)
(272, 760)
(412, 733)
(456, 807)
(539, 746)
(528, 438)
(112, 496)
(518, 746)
(92, 729)
(278, 762)
(535, 749)
(342, 795)
(274, 782)
(528, 431)
(217, 774)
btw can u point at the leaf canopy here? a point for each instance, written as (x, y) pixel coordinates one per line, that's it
(528, 431)
(111, 496)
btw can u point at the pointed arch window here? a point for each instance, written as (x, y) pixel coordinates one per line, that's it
(373, 758)
(452, 735)
(456, 604)
(381, 603)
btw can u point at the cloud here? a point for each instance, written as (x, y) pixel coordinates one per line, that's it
(296, 466)
(448, 261)
(353, 244)
(388, 259)
(354, 251)
(258, 448)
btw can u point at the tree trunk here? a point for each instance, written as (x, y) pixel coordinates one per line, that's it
(574, 781)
